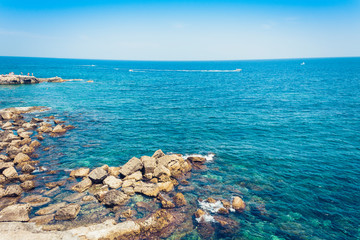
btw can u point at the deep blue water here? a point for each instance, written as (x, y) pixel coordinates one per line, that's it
(286, 135)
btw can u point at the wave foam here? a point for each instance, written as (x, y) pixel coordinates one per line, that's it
(205, 218)
(211, 207)
(182, 70)
(209, 157)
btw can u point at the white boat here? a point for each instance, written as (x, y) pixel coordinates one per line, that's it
(303, 63)
(130, 70)
(238, 70)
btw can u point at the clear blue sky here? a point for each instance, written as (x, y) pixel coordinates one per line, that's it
(180, 30)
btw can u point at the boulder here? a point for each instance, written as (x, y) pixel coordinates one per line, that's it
(115, 197)
(98, 175)
(35, 200)
(166, 186)
(136, 176)
(80, 172)
(6, 115)
(13, 191)
(200, 160)
(34, 144)
(7, 125)
(149, 164)
(148, 189)
(83, 185)
(199, 213)
(223, 211)
(167, 204)
(27, 150)
(5, 165)
(128, 183)
(58, 129)
(162, 173)
(27, 185)
(10, 173)
(112, 182)
(27, 168)
(238, 204)
(21, 157)
(15, 213)
(133, 165)
(4, 158)
(114, 171)
(158, 154)
(26, 177)
(68, 212)
(42, 220)
(179, 200)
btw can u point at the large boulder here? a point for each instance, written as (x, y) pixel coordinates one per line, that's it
(158, 154)
(58, 129)
(238, 204)
(133, 165)
(98, 175)
(51, 208)
(27, 185)
(21, 157)
(10, 173)
(83, 185)
(15, 213)
(5, 165)
(80, 172)
(112, 182)
(13, 191)
(68, 212)
(149, 164)
(136, 176)
(115, 197)
(148, 189)
(179, 200)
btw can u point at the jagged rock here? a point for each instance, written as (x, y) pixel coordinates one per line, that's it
(167, 204)
(25, 141)
(51, 208)
(6, 115)
(158, 221)
(25, 135)
(149, 164)
(68, 212)
(199, 213)
(21, 157)
(55, 184)
(27, 168)
(7, 125)
(128, 183)
(4, 158)
(12, 151)
(27, 150)
(211, 200)
(115, 197)
(100, 193)
(27, 185)
(136, 175)
(88, 198)
(10, 173)
(83, 185)
(98, 175)
(81, 172)
(13, 191)
(15, 213)
(158, 154)
(58, 129)
(112, 182)
(238, 204)
(166, 186)
(133, 165)
(200, 160)
(40, 137)
(162, 173)
(223, 211)
(226, 204)
(5, 165)
(179, 200)
(45, 129)
(148, 189)
(114, 171)
(34, 144)
(128, 191)
(2, 179)
(26, 177)
(36, 200)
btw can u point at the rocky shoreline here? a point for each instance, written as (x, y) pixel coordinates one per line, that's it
(141, 199)
(12, 79)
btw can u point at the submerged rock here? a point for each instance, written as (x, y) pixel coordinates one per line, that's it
(51, 208)
(115, 197)
(238, 204)
(36, 200)
(179, 200)
(27, 185)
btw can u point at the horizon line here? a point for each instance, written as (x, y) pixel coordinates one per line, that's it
(169, 60)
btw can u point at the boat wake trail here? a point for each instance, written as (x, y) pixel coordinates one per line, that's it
(184, 70)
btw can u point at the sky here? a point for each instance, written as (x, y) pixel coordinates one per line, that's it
(180, 30)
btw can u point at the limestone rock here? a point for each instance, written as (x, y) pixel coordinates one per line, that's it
(200, 160)
(114, 171)
(115, 197)
(166, 186)
(199, 213)
(128, 183)
(133, 165)
(13, 191)
(167, 204)
(68, 212)
(15, 213)
(238, 204)
(149, 164)
(148, 189)
(136, 176)
(4, 158)
(26, 177)
(81, 172)
(10, 173)
(179, 200)
(97, 175)
(158, 154)
(27, 185)
(112, 182)
(36, 200)
(83, 185)
(59, 129)
(5, 165)
(21, 157)
(41, 220)
(34, 144)
(27, 168)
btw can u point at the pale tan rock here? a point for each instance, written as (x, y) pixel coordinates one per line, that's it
(98, 175)
(15, 213)
(166, 186)
(133, 165)
(21, 157)
(158, 154)
(50, 209)
(27, 185)
(83, 185)
(179, 200)
(115, 198)
(5, 165)
(238, 204)
(148, 189)
(149, 164)
(10, 173)
(112, 182)
(13, 191)
(136, 176)
(35, 200)
(128, 183)
(68, 212)
(41, 220)
(58, 129)
(80, 172)
(35, 144)
(114, 171)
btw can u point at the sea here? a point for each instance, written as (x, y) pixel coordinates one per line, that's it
(282, 134)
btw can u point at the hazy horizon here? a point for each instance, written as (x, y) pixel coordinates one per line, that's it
(180, 30)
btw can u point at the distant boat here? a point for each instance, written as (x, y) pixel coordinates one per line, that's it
(130, 70)
(238, 70)
(303, 63)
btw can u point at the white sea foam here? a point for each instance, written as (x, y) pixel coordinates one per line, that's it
(205, 218)
(211, 207)
(209, 157)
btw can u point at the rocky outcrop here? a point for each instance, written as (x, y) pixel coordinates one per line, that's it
(133, 165)
(11, 79)
(68, 212)
(83, 185)
(81, 172)
(115, 198)
(97, 175)
(238, 204)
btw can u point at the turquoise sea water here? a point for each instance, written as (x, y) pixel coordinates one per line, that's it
(285, 135)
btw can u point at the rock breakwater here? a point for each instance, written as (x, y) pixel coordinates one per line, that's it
(11, 79)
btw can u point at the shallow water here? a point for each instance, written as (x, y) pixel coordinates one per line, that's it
(285, 136)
